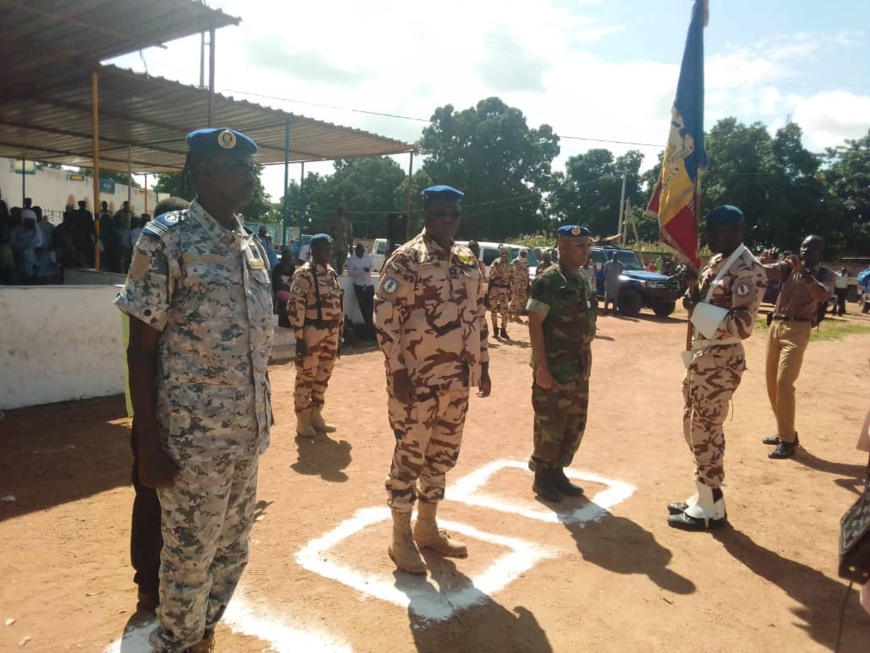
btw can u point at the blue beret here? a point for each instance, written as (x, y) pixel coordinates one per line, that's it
(220, 139)
(321, 239)
(440, 192)
(573, 230)
(725, 216)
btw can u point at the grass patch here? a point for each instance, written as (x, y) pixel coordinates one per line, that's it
(828, 330)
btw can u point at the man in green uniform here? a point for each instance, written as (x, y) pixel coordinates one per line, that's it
(562, 313)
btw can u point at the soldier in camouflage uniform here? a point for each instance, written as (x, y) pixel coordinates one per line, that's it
(341, 230)
(315, 315)
(562, 317)
(501, 281)
(200, 303)
(432, 329)
(520, 288)
(724, 309)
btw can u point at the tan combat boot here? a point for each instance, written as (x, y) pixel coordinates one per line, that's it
(318, 423)
(303, 424)
(402, 549)
(205, 645)
(427, 533)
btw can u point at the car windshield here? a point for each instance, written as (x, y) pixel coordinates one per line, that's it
(629, 260)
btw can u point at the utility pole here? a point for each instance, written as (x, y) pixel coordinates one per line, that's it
(619, 229)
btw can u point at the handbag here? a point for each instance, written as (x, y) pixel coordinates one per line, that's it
(855, 538)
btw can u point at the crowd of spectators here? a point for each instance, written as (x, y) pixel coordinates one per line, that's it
(35, 251)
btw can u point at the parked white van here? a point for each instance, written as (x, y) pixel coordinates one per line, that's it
(489, 252)
(379, 253)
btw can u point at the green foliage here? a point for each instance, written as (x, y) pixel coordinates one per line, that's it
(501, 164)
(114, 175)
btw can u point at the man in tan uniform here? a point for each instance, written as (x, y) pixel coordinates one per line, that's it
(724, 310)
(520, 288)
(431, 326)
(315, 315)
(501, 282)
(805, 286)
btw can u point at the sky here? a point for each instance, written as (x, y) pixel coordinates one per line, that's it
(592, 69)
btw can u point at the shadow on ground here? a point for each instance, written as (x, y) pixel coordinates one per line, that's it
(56, 453)
(322, 456)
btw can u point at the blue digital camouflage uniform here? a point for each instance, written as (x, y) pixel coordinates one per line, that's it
(207, 289)
(567, 302)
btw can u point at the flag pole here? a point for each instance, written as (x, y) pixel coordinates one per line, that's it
(693, 285)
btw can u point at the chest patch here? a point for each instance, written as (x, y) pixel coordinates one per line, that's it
(454, 273)
(742, 290)
(390, 285)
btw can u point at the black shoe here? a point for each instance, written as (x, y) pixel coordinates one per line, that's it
(686, 523)
(564, 485)
(677, 508)
(783, 450)
(504, 333)
(544, 486)
(774, 439)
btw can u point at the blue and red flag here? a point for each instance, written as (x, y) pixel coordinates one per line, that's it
(674, 201)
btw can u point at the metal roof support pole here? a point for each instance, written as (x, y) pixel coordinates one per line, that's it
(210, 74)
(95, 110)
(129, 179)
(301, 200)
(146, 194)
(408, 199)
(285, 209)
(23, 179)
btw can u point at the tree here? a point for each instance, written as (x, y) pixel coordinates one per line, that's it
(590, 190)
(848, 182)
(489, 152)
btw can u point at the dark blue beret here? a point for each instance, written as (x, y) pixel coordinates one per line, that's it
(573, 230)
(440, 192)
(725, 216)
(220, 139)
(321, 239)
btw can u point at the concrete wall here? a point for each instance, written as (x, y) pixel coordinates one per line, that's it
(59, 343)
(51, 190)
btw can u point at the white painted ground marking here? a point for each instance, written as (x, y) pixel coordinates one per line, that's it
(468, 490)
(416, 592)
(246, 618)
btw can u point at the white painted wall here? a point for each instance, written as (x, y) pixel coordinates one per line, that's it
(59, 343)
(51, 190)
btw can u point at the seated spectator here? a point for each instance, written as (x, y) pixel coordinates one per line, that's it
(282, 274)
(46, 271)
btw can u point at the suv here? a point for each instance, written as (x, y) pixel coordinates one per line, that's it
(637, 287)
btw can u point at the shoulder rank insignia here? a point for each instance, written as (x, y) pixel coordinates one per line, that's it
(467, 260)
(161, 225)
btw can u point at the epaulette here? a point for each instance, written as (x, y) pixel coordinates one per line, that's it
(160, 226)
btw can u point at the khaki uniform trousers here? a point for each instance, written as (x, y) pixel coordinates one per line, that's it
(786, 344)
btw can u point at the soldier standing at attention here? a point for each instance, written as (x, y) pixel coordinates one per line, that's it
(341, 230)
(562, 314)
(315, 315)
(501, 280)
(200, 304)
(432, 329)
(724, 310)
(520, 289)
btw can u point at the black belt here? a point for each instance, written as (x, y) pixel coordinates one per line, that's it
(788, 318)
(321, 324)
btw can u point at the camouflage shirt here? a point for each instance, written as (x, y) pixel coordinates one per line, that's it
(520, 267)
(304, 301)
(430, 315)
(501, 274)
(206, 288)
(740, 290)
(567, 302)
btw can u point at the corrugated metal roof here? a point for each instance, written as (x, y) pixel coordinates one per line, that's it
(152, 116)
(41, 41)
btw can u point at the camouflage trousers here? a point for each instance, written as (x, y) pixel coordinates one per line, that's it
(560, 421)
(518, 301)
(499, 303)
(314, 370)
(428, 436)
(206, 517)
(708, 386)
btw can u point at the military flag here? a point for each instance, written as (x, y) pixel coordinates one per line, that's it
(675, 201)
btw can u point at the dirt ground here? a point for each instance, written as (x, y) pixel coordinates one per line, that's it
(582, 579)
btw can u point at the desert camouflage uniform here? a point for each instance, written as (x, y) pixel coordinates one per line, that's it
(317, 320)
(520, 289)
(567, 302)
(501, 280)
(431, 322)
(716, 370)
(341, 230)
(206, 288)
